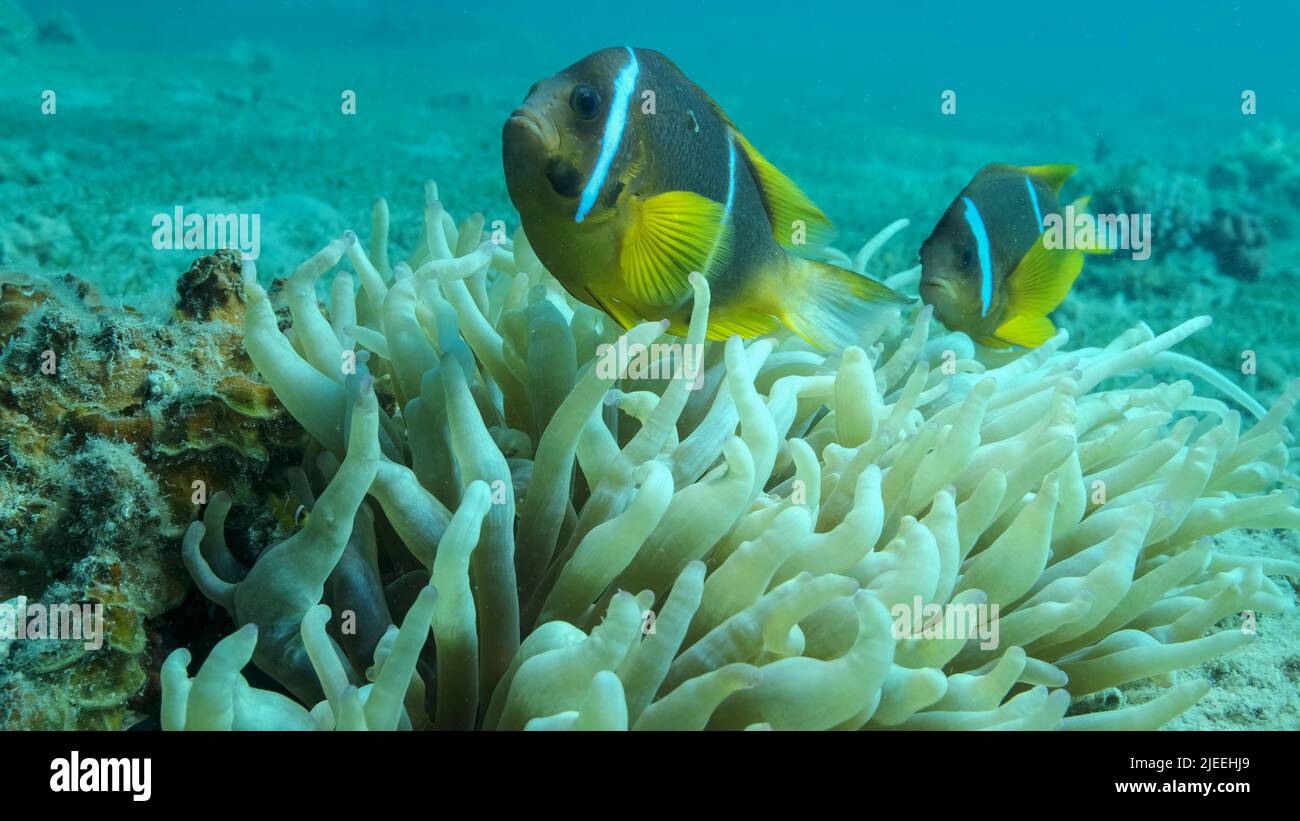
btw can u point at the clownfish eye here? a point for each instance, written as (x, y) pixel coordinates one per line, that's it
(966, 256)
(585, 101)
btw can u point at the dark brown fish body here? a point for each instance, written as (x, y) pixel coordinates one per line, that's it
(628, 177)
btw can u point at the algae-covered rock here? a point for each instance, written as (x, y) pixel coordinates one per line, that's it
(119, 428)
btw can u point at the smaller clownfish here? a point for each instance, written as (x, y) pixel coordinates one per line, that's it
(985, 267)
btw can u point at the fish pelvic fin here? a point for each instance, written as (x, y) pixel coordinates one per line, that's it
(833, 308)
(1038, 285)
(622, 314)
(668, 236)
(745, 323)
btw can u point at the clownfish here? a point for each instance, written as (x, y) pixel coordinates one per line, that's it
(628, 178)
(987, 269)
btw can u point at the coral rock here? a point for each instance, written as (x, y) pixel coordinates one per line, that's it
(112, 417)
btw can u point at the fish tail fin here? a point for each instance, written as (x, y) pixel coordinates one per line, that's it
(1039, 284)
(833, 308)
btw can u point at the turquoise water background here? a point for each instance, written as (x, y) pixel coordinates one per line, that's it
(235, 106)
(1185, 61)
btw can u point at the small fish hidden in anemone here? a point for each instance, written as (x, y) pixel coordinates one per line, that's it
(628, 177)
(986, 268)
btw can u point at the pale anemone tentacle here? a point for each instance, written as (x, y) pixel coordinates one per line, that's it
(811, 538)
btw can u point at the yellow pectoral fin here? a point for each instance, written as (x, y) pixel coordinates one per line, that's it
(1042, 280)
(797, 223)
(1039, 284)
(1054, 175)
(1026, 331)
(668, 236)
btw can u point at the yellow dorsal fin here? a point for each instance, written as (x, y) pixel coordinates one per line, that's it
(793, 215)
(1042, 280)
(784, 202)
(1054, 175)
(668, 236)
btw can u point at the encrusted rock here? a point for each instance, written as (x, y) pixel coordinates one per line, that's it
(119, 427)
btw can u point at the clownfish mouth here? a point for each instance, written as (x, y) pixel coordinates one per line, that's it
(940, 293)
(534, 121)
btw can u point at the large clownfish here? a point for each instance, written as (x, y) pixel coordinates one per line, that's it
(628, 178)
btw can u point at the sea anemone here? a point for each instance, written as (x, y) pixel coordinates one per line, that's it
(786, 539)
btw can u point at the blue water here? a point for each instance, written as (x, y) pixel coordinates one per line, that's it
(1188, 61)
(845, 97)
(1149, 79)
